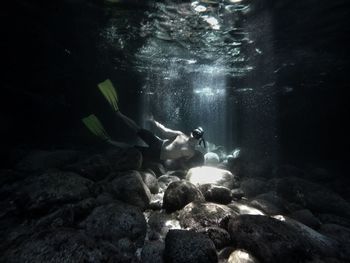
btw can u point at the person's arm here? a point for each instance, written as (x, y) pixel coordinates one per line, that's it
(166, 132)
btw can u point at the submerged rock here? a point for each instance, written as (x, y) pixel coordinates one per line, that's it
(273, 240)
(199, 215)
(62, 245)
(116, 221)
(340, 233)
(241, 256)
(46, 190)
(183, 246)
(152, 252)
(333, 219)
(160, 223)
(216, 194)
(244, 209)
(211, 159)
(157, 168)
(150, 180)
(131, 189)
(211, 175)
(312, 196)
(270, 203)
(219, 236)
(165, 180)
(307, 218)
(179, 194)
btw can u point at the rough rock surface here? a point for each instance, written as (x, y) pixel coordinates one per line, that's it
(216, 194)
(183, 246)
(272, 240)
(312, 196)
(160, 223)
(150, 180)
(130, 188)
(152, 252)
(63, 245)
(198, 215)
(307, 218)
(219, 236)
(165, 180)
(116, 221)
(212, 175)
(44, 191)
(178, 194)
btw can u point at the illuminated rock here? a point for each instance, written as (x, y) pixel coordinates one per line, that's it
(211, 175)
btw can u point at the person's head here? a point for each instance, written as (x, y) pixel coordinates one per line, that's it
(198, 133)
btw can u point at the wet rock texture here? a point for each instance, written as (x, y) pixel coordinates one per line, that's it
(94, 208)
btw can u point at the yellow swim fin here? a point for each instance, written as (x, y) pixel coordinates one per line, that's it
(109, 92)
(95, 126)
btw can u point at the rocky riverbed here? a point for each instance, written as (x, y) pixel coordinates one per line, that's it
(110, 206)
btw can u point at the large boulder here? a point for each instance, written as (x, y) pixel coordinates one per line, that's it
(152, 252)
(199, 215)
(212, 175)
(178, 194)
(312, 196)
(157, 168)
(116, 221)
(165, 180)
(211, 159)
(337, 232)
(272, 240)
(150, 179)
(307, 218)
(270, 203)
(130, 188)
(160, 223)
(183, 246)
(220, 237)
(46, 190)
(68, 215)
(62, 245)
(216, 194)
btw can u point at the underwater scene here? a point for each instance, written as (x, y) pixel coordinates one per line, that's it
(175, 131)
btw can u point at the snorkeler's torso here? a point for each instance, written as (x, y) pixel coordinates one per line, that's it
(181, 146)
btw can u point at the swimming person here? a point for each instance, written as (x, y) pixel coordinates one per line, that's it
(175, 145)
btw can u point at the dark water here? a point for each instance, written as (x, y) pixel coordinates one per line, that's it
(265, 78)
(268, 76)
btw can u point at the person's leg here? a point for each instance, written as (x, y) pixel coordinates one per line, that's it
(153, 141)
(129, 122)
